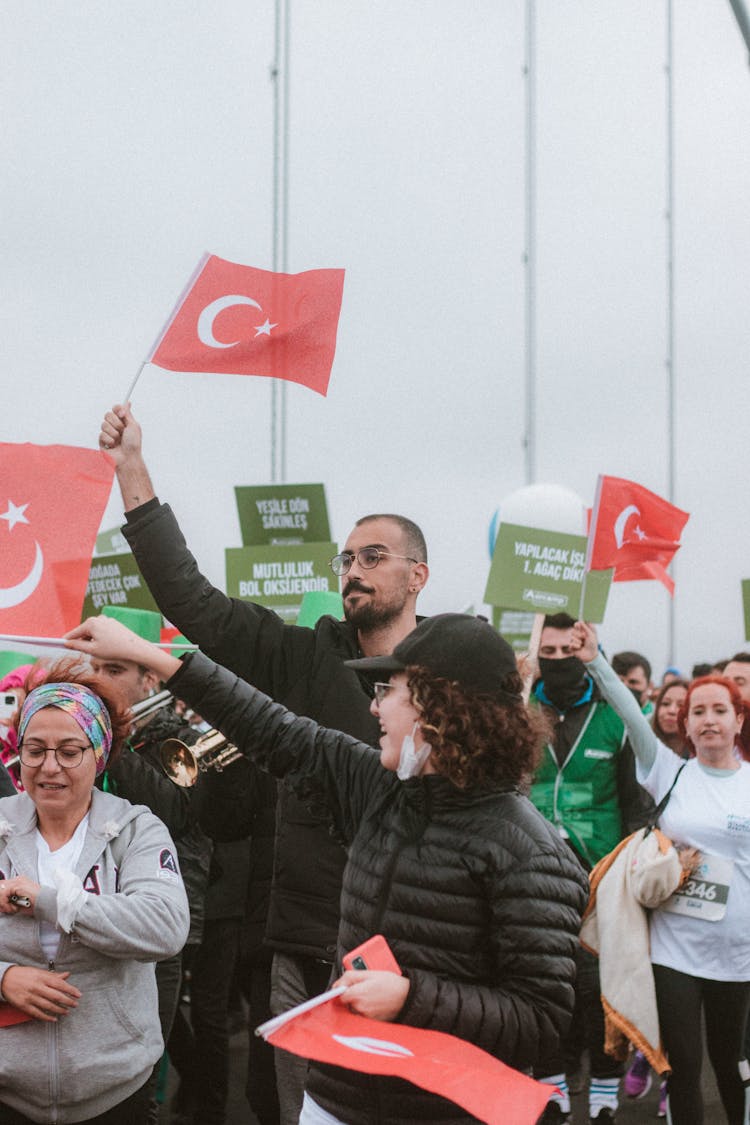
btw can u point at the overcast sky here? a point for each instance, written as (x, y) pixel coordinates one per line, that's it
(138, 135)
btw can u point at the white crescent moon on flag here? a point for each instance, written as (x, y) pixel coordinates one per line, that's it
(373, 1046)
(209, 314)
(14, 595)
(621, 520)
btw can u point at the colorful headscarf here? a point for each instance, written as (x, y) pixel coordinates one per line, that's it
(86, 708)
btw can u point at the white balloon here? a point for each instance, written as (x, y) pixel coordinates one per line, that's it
(550, 507)
(209, 314)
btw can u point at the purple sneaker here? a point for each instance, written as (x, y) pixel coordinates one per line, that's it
(638, 1078)
(662, 1110)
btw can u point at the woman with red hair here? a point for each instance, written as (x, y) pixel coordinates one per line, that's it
(700, 937)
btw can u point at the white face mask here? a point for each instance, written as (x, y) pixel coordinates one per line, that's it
(411, 761)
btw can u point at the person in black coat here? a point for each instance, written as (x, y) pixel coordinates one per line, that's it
(477, 896)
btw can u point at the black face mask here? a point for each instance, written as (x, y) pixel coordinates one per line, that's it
(564, 680)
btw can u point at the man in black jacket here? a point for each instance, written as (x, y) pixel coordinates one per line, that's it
(383, 568)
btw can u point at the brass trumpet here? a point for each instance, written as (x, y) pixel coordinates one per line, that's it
(182, 763)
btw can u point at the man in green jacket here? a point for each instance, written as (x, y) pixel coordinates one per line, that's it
(586, 786)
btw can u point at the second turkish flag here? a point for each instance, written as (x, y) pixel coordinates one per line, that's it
(240, 320)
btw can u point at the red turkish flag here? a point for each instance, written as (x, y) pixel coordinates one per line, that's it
(443, 1064)
(633, 530)
(52, 498)
(239, 320)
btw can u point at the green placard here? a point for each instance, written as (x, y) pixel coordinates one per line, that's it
(746, 605)
(116, 580)
(515, 626)
(542, 572)
(282, 513)
(279, 577)
(111, 542)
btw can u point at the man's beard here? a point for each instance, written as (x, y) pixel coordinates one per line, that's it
(368, 616)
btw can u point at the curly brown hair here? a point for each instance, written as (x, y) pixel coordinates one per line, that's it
(73, 670)
(477, 740)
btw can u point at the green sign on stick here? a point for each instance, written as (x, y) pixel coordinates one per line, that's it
(746, 605)
(514, 626)
(543, 572)
(116, 580)
(282, 513)
(279, 577)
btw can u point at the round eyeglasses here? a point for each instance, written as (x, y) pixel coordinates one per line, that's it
(67, 757)
(368, 558)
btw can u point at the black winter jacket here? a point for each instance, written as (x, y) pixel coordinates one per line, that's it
(137, 775)
(476, 894)
(301, 668)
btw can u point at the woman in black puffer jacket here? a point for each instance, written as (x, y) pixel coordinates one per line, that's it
(477, 896)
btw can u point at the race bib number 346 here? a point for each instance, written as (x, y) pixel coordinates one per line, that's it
(704, 895)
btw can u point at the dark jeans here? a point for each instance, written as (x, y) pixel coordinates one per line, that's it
(133, 1111)
(255, 980)
(586, 1031)
(680, 999)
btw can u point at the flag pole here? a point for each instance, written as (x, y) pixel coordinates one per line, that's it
(671, 397)
(131, 388)
(529, 257)
(280, 78)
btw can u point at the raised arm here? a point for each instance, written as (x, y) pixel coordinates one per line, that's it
(120, 437)
(640, 732)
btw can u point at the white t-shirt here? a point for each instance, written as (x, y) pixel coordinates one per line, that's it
(708, 810)
(64, 858)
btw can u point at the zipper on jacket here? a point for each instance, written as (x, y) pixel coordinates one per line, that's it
(54, 1076)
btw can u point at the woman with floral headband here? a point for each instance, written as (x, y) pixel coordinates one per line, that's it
(90, 897)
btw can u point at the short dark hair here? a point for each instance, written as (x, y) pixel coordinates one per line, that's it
(624, 662)
(412, 534)
(558, 621)
(703, 669)
(739, 658)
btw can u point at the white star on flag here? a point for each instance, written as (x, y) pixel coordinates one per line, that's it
(264, 329)
(640, 532)
(14, 514)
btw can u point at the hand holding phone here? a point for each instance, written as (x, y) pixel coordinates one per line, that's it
(375, 953)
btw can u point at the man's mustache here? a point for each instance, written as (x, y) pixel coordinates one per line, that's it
(355, 586)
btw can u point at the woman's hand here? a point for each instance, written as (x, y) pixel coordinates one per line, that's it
(107, 639)
(21, 887)
(39, 993)
(373, 993)
(584, 642)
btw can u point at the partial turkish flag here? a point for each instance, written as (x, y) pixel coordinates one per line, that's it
(440, 1063)
(239, 320)
(633, 530)
(52, 498)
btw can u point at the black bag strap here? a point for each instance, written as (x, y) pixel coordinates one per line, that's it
(663, 802)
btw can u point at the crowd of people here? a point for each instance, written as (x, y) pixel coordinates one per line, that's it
(391, 778)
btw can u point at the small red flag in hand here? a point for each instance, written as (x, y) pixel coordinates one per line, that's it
(441, 1063)
(239, 320)
(633, 530)
(52, 498)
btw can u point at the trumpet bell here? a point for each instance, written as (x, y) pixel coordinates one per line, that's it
(178, 762)
(182, 763)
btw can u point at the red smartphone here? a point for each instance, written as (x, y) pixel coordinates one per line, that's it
(375, 953)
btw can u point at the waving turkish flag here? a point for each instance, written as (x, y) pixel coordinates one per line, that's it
(633, 530)
(443, 1064)
(239, 320)
(52, 498)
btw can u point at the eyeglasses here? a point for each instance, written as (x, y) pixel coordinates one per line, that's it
(367, 557)
(67, 757)
(381, 690)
